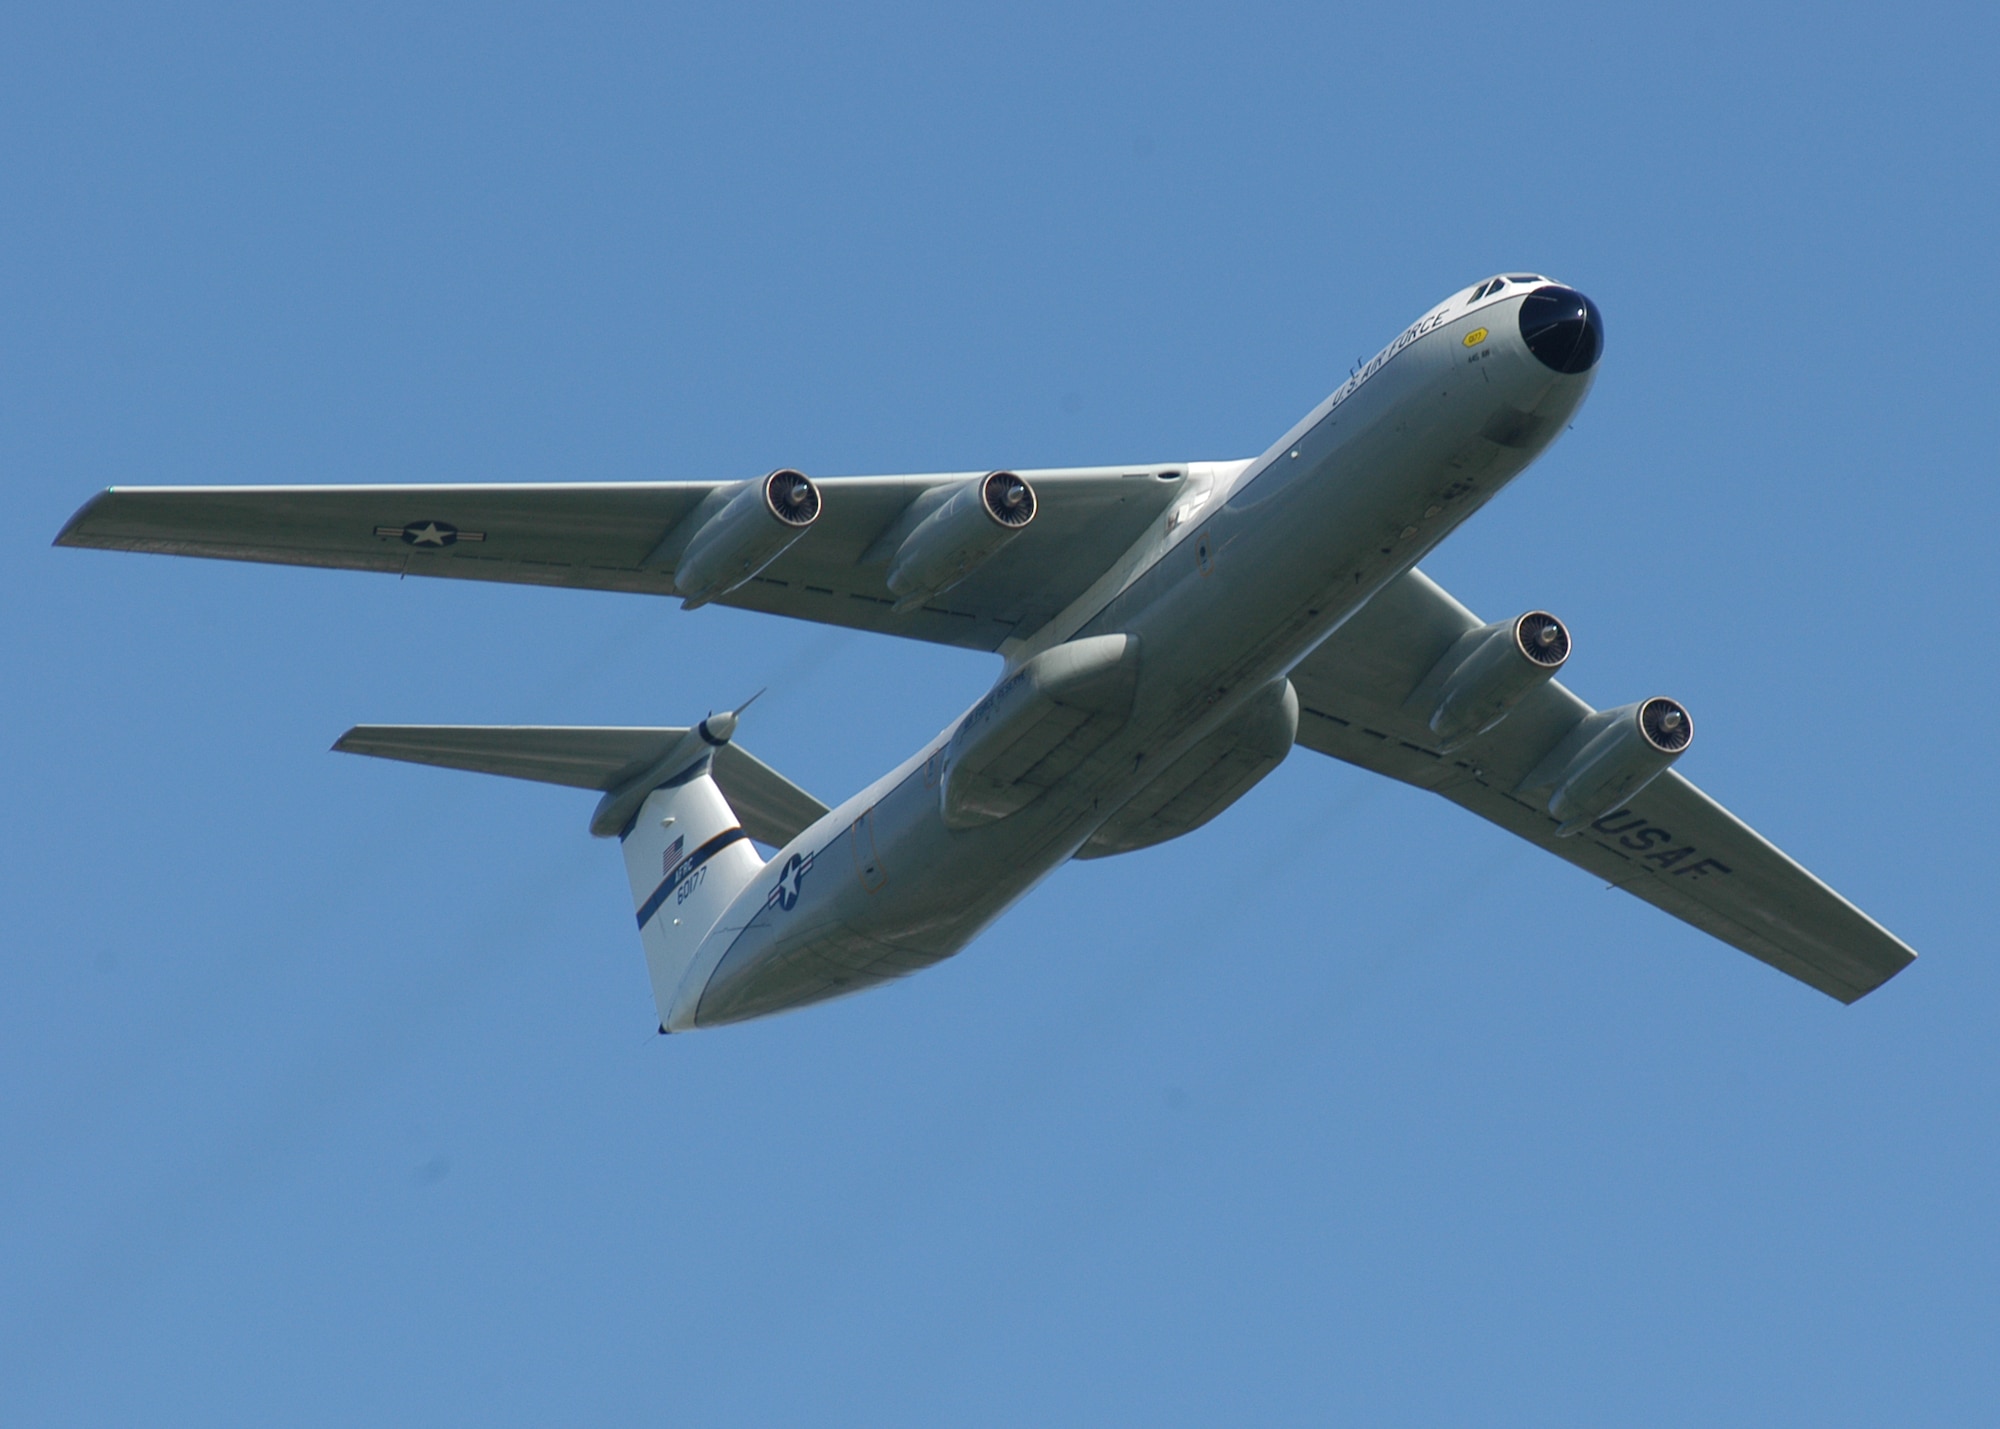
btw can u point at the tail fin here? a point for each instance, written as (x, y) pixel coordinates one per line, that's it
(671, 796)
(687, 856)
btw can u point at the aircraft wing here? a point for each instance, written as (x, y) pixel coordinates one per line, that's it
(611, 536)
(1670, 844)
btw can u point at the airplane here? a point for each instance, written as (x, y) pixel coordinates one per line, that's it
(1168, 631)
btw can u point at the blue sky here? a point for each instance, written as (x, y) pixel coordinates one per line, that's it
(332, 1089)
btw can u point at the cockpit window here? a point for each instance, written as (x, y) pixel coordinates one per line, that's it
(1526, 278)
(1488, 288)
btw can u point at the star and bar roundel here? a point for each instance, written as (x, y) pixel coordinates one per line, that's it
(434, 534)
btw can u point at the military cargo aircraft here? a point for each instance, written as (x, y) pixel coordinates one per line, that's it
(1169, 632)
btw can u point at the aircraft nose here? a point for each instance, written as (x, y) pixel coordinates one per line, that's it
(1563, 328)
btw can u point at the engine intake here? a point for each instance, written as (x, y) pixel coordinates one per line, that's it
(753, 528)
(1487, 672)
(1609, 757)
(1667, 727)
(966, 530)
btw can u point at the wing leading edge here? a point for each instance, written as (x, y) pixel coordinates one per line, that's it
(1670, 844)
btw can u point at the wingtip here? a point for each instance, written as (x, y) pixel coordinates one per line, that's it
(1848, 994)
(68, 535)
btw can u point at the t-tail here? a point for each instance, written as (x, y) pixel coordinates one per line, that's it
(685, 805)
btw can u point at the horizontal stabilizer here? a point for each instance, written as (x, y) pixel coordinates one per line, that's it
(774, 810)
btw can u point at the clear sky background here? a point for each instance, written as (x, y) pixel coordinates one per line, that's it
(332, 1094)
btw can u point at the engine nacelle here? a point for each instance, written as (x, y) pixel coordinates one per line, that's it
(1492, 669)
(1608, 758)
(750, 531)
(970, 525)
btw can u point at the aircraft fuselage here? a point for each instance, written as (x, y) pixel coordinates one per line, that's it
(1255, 565)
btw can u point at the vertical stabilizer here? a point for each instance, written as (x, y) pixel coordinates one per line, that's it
(687, 856)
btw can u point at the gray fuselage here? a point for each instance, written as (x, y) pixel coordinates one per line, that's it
(1236, 591)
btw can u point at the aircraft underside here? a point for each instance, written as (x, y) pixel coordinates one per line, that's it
(1169, 632)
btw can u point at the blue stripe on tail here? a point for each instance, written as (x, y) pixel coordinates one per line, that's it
(684, 868)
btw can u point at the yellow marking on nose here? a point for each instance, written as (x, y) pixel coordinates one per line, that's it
(1475, 337)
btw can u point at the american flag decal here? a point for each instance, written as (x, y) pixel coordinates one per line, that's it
(672, 856)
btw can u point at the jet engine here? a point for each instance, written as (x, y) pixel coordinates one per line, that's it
(966, 529)
(1492, 669)
(1609, 757)
(752, 529)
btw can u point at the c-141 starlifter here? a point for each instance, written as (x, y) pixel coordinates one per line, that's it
(1170, 631)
